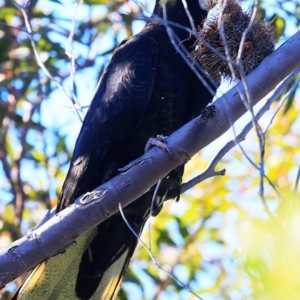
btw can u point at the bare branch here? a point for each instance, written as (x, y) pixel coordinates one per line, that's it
(210, 171)
(139, 176)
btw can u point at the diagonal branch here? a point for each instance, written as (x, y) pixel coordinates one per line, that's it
(210, 170)
(93, 208)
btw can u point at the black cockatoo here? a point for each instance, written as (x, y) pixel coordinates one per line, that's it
(147, 89)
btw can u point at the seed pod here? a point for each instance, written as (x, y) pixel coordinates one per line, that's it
(258, 44)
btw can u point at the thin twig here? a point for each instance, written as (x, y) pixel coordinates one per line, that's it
(151, 210)
(183, 52)
(42, 65)
(239, 138)
(13, 27)
(153, 258)
(247, 97)
(296, 184)
(70, 53)
(293, 88)
(187, 11)
(189, 239)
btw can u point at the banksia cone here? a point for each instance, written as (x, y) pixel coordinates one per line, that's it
(258, 44)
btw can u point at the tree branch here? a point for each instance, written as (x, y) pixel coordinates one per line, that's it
(210, 170)
(136, 178)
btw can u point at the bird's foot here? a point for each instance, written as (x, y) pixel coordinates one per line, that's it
(159, 141)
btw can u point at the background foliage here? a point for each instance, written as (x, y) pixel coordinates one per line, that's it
(218, 240)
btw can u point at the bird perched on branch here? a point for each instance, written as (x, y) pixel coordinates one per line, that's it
(146, 90)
